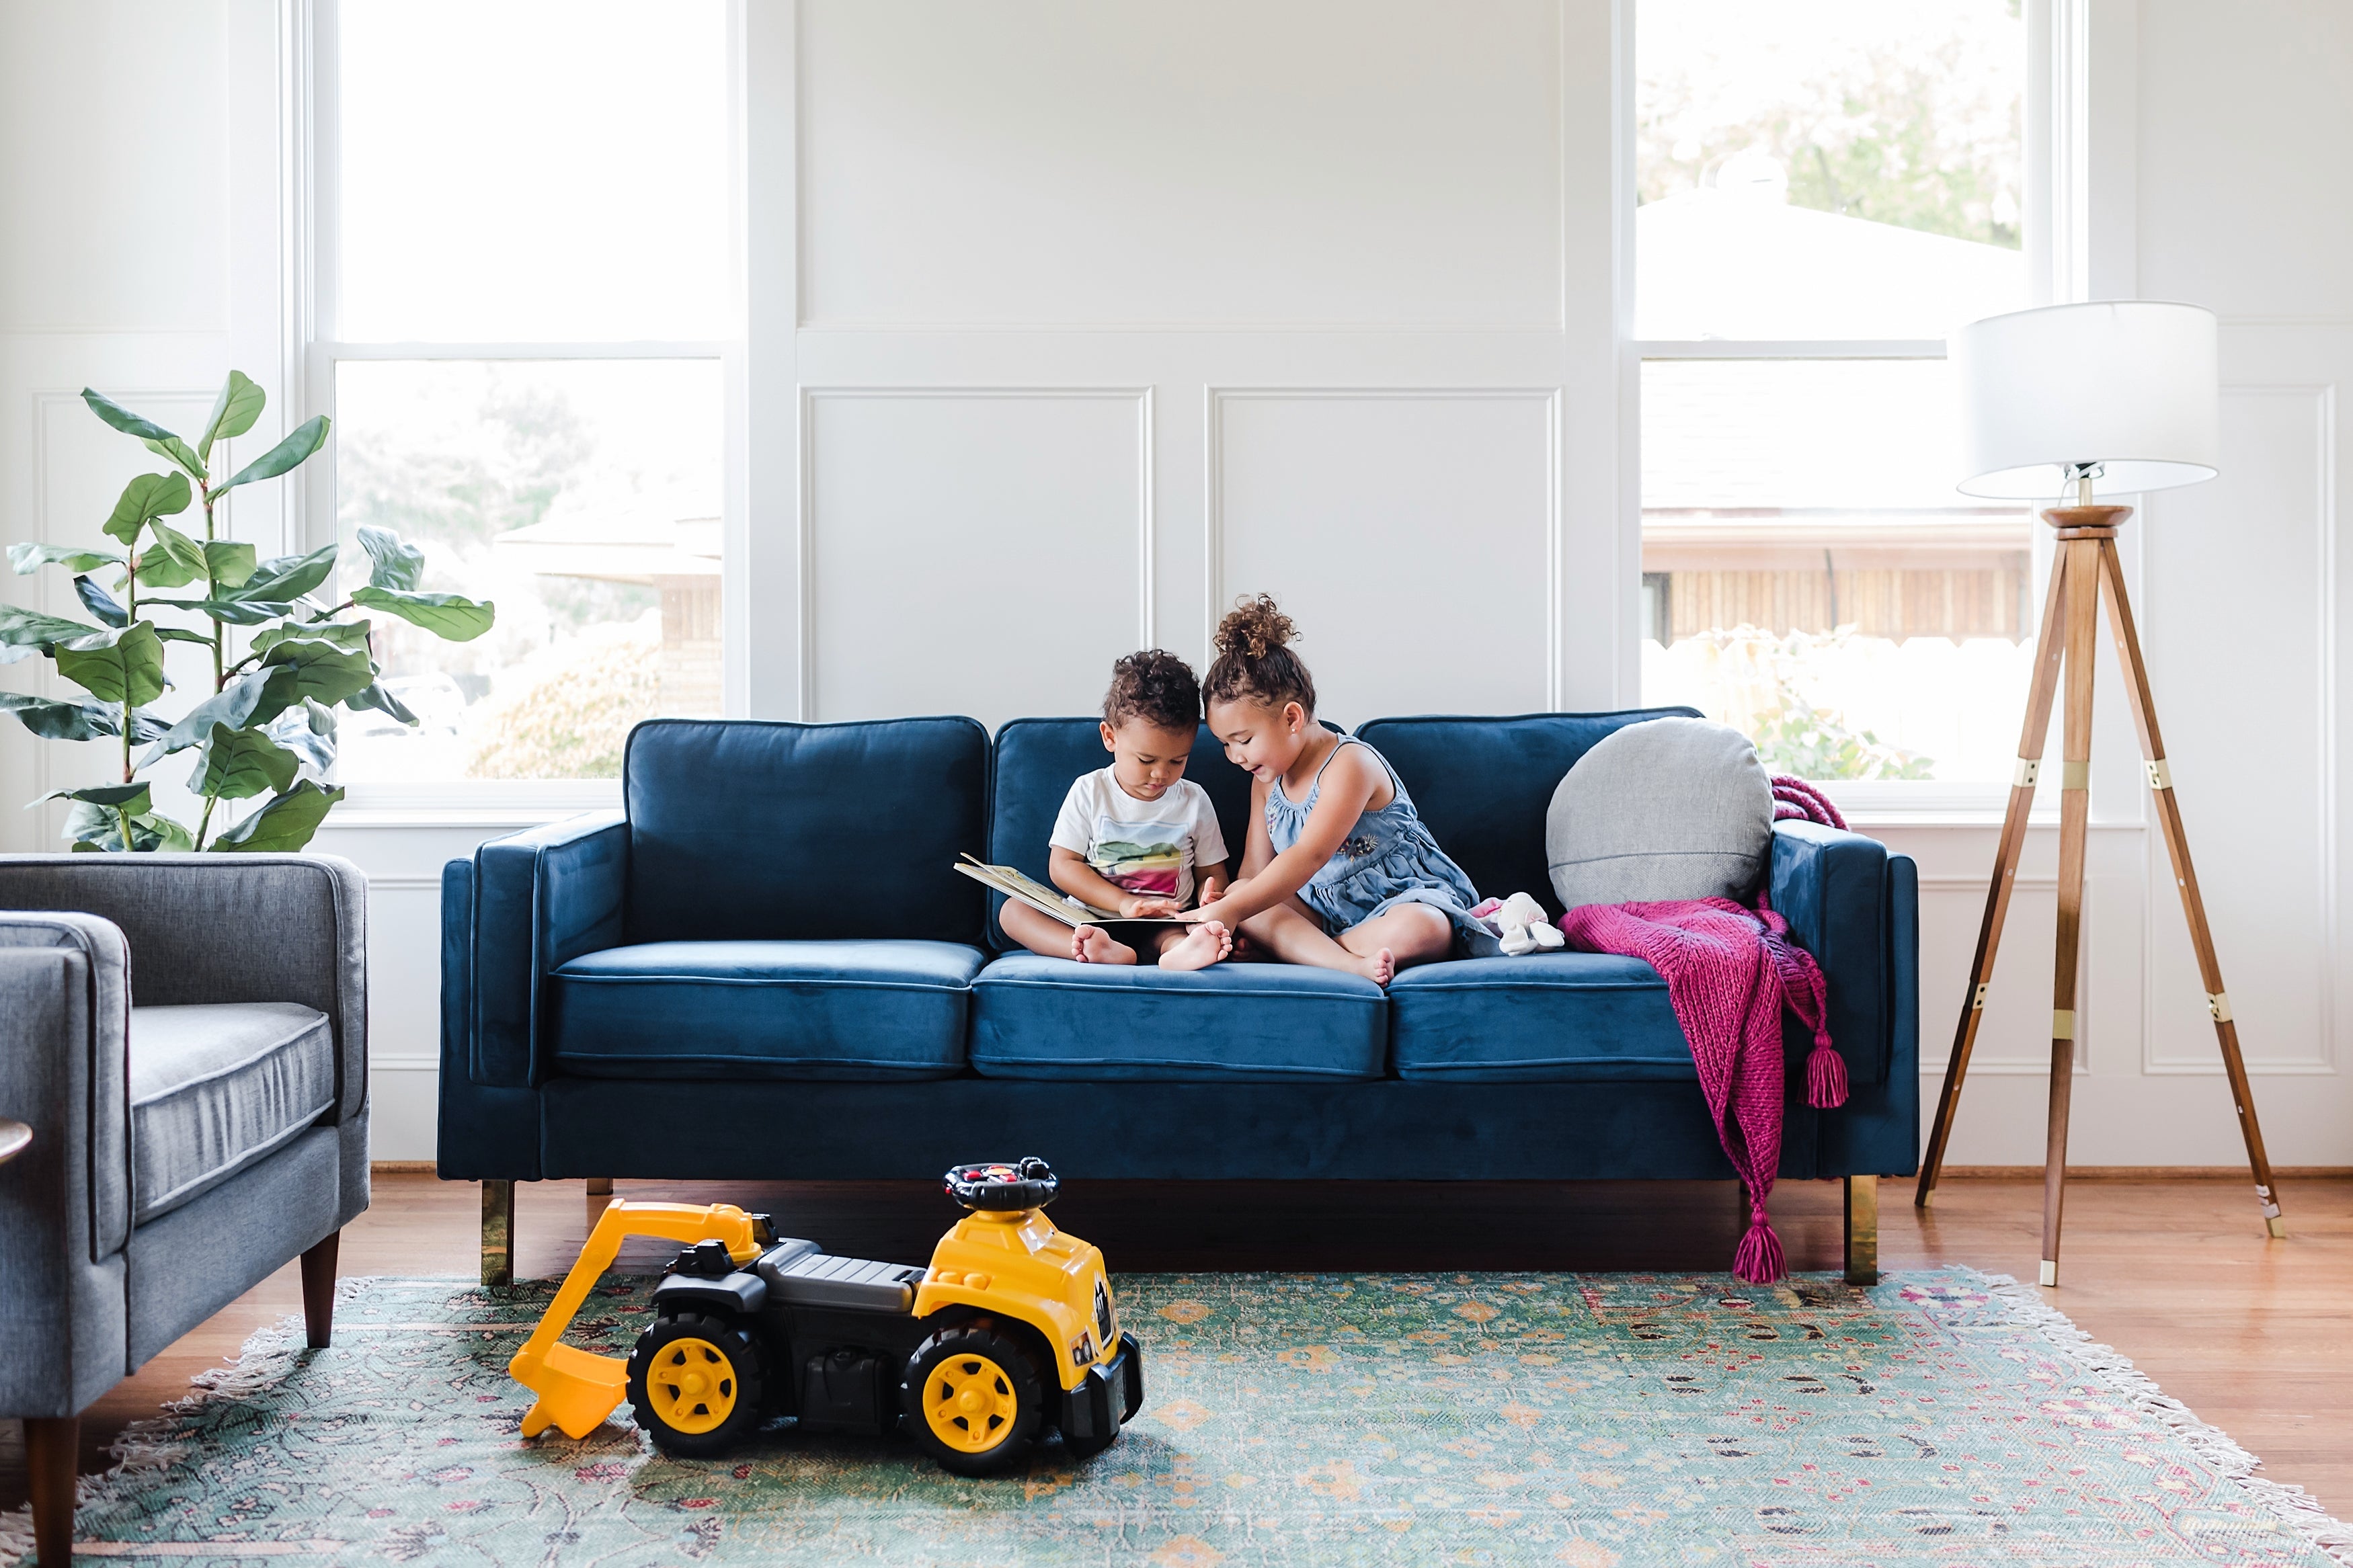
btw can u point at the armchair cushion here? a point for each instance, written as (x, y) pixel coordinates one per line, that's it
(731, 1010)
(217, 1088)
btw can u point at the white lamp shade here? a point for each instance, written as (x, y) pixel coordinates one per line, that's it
(2130, 385)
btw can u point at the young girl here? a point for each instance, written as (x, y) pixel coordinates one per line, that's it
(1339, 871)
(1138, 836)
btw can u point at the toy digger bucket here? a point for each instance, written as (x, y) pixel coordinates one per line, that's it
(577, 1388)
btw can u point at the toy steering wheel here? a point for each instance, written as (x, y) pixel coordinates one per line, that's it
(1027, 1183)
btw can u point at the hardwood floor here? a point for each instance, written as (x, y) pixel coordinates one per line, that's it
(2256, 1336)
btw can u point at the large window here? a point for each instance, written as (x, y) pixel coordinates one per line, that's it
(525, 302)
(1825, 188)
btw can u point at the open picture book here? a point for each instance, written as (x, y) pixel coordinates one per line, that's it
(1037, 896)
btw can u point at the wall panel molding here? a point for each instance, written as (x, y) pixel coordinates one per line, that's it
(1145, 540)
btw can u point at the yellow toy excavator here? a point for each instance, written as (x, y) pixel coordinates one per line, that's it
(1010, 1330)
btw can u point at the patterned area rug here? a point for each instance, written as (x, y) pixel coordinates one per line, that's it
(1943, 1417)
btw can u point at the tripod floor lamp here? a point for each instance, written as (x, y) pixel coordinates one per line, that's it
(2122, 396)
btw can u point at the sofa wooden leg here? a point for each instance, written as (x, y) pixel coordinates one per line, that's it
(600, 1196)
(1863, 1230)
(50, 1444)
(498, 1233)
(319, 1291)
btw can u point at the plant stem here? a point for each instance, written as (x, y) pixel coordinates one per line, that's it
(203, 823)
(130, 618)
(211, 591)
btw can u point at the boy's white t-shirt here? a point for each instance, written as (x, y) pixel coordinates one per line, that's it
(1147, 847)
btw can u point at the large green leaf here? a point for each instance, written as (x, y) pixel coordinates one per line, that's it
(97, 829)
(116, 666)
(284, 825)
(446, 616)
(101, 603)
(73, 558)
(234, 412)
(342, 634)
(236, 612)
(122, 419)
(246, 700)
(158, 570)
(179, 634)
(229, 562)
(176, 547)
(395, 564)
(383, 701)
(25, 632)
(286, 577)
(239, 764)
(307, 438)
(309, 732)
(145, 498)
(321, 671)
(172, 446)
(131, 797)
(87, 720)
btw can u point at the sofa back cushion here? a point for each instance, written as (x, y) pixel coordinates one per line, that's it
(1036, 760)
(1485, 785)
(751, 831)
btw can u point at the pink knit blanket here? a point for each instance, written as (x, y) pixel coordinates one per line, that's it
(1729, 973)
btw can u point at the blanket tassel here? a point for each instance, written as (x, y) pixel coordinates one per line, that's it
(1759, 1260)
(1825, 1076)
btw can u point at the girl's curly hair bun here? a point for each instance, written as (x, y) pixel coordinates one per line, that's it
(1254, 627)
(1254, 656)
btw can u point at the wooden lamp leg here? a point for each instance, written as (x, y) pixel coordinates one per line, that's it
(2185, 876)
(2075, 822)
(2048, 654)
(50, 1445)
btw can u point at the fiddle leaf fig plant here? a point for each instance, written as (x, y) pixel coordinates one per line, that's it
(283, 659)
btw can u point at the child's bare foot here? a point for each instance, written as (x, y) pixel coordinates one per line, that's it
(1205, 945)
(1381, 969)
(1093, 945)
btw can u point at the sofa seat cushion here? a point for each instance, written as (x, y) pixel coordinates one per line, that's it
(214, 1089)
(864, 1008)
(1544, 1017)
(1238, 1023)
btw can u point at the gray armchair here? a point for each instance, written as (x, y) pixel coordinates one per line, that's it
(186, 1035)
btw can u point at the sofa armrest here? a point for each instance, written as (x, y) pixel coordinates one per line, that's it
(1832, 887)
(225, 928)
(65, 1201)
(539, 899)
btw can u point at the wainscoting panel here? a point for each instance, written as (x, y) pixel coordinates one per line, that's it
(1334, 162)
(1412, 533)
(980, 551)
(2015, 1036)
(2247, 561)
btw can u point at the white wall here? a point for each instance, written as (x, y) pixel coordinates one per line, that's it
(1127, 308)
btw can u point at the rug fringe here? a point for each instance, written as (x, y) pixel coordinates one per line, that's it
(146, 1445)
(2297, 1510)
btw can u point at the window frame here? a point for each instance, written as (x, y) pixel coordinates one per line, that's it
(312, 265)
(2055, 216)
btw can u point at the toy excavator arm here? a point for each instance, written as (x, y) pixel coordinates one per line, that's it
(577, 1388)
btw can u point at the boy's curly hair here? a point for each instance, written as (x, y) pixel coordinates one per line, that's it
(1156, 686)
(1254, 659)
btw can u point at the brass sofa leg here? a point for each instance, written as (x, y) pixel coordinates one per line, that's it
(50, 1444)
(498, 1233)
(1863, 1230)
(319, 1291)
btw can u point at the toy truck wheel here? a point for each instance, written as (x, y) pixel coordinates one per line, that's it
(696, 1384)
(974, 1398)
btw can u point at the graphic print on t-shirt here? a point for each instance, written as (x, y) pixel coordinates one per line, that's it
(1129, 855)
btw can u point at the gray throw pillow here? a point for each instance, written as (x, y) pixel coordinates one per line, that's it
(1672, 808)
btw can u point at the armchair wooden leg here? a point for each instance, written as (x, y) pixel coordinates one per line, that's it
(50, 1444)
(600, 1195)
(498, 1233)
(319, 1291)
(1863, 1230)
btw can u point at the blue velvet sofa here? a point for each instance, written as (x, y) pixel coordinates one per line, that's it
(771, 925)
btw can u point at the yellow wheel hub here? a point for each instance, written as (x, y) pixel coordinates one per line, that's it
(970, 1404)
(692, 1384)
